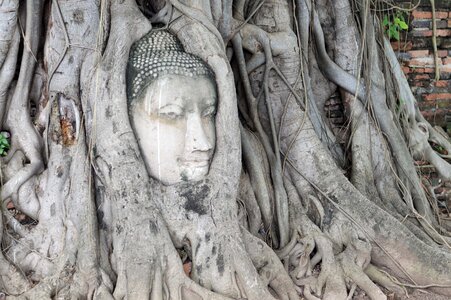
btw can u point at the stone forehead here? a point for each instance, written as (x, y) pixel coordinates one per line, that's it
(157, 54)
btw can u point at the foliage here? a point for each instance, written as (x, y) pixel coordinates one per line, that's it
(393, 24)
(440, 149)
(4, 143)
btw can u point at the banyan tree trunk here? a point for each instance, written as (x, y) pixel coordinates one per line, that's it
(286, 210)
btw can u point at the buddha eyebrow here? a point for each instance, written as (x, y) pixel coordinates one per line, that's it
(169, 105)
(177, 101)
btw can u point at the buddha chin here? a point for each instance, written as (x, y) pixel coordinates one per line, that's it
(193, 171)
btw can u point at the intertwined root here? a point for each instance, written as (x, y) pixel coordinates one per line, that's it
(269, 267)
(12, 281)
(320, 264)
(339, 272)
(161, 278)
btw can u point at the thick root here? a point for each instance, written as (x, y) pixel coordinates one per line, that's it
(352, 263)
(162, 279)
(12, 281)
(383, 280)
(330, 278)
(269, 267)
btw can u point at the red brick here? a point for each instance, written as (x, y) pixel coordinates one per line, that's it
(418, 70)
(421, 77)
(422, 61)
(402, 46)
(187, 268)
(446, 68)
(444, 103)
(426, 33)
(442, 83)
(442, 53)
(441, 15)
(430, 97)
(447, 61)
(419, 53)
(441, 24)
(449, 21)
(436, 116)
(418, 33)
(443, 32)
(424, 106)
(429, 114)
(422, 14)
(429, 70)
(406, 70)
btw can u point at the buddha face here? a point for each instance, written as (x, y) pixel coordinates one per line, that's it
(174, 123)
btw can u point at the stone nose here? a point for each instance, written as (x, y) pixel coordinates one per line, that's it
(196, 135)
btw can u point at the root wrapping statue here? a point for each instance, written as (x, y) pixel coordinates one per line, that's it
(172, 105)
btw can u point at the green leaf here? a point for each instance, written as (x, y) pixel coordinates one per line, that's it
(400, 23)
(403, 25)
(396, 35)
(4, 145)
(391, 32)
(385, 21)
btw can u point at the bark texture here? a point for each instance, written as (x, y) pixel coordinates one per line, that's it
(285, 212)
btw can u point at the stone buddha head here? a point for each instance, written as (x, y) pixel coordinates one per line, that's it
(172, 105)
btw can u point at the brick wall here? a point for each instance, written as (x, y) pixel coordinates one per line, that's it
(414, 51)
(416, 56)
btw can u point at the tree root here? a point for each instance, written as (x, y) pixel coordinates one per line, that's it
(252, 209)
(8, 27)
(420, 132)
(413, 194)
(348, 264)
(273, 155)
(257, 165)
(269, 267)
(335, 230)
(24, 135)
(380, 278)
(330, 277)
(12, 281)
(353, 263)
(7, 70)
(161, 279)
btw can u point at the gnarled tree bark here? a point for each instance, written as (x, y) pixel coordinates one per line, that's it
(285, 211)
